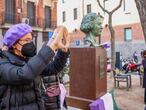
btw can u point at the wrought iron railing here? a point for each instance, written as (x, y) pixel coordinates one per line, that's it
(53, 24)
(47, 23)
(50, 24)
(12, 18)
(9, 17)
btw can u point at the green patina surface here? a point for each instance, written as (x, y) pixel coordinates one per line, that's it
(91, 26)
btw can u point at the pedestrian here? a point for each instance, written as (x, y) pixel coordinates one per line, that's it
(135, 57)
(144, 77)
(21, 68)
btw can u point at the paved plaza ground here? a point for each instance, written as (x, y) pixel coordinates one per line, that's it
(127, 100)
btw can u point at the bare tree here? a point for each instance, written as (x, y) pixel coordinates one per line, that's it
(112, 32)
(141, 7)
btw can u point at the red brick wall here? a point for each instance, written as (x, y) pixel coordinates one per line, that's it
(54, 14)
(24, 9)
(77, 35)
(40, 12)
(2, 9)
(137, 34)
(17, 15)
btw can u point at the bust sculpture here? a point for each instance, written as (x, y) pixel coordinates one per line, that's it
(91, 26)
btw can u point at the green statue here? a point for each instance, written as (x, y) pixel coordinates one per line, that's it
(91, 26)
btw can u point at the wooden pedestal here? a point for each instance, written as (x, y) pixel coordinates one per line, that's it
(87, 76)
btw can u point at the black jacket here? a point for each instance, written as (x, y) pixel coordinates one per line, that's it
(20, 80)
(144, 78)
(53, 103)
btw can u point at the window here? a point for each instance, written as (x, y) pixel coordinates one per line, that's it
(10, 11)
(63, 1)
(128, 34)
(47, 17)
(64, 16)
(89, 8)
(31, 13)
(104, 2)
(45, 36)
(126, 7)
(75, 13)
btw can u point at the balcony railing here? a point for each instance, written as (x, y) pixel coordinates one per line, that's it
(50, 24)
(9, 18)
(12, 18)
(53, 24)
(46, 23)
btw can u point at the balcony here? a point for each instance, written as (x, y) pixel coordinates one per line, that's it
(53, 24)
(46, 23)
(50, 24)
(9, 18)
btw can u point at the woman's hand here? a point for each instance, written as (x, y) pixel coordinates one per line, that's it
(60, 39)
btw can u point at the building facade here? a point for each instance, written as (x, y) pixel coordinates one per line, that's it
(40, 14)
(126, 22)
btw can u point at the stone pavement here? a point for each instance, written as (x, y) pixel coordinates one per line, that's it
(126, 100)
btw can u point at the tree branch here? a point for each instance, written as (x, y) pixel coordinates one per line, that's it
(103, 9)
(117, 7)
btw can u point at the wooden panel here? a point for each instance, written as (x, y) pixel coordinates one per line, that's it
(81, 70)
(85, 80)
(80, 103)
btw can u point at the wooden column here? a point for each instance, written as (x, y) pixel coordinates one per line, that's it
(87, 76)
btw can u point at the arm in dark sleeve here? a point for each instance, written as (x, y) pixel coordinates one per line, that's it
(15, 75)
(57, 64)
(144, 63)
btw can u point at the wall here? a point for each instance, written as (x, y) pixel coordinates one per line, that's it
(68, 7)
(39, 14)
(137, 34)
(120, 17)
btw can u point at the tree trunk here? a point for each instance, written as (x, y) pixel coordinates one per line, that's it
(112, 32)
(141, 7)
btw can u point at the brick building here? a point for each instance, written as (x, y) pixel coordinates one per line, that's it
(126, 22)
(40, 14)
